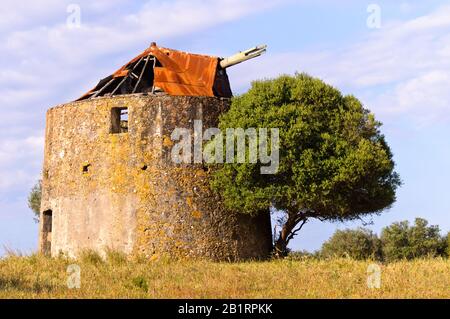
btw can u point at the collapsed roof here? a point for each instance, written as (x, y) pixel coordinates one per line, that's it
(173, 72)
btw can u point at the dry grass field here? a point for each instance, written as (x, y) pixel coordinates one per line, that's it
(39, 277)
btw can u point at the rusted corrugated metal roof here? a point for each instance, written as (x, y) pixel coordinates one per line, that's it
(174, 72)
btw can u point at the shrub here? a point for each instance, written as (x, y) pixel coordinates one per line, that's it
(401, 241)
(115, 257)
(358, 244)
(91, 257)
(300, 255)
(34, 199)
(447, 244)
(140, 282)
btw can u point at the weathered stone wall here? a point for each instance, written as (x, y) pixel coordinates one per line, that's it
(122, 191)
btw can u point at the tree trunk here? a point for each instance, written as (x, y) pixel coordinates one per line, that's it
(288, 231)
(283, 240)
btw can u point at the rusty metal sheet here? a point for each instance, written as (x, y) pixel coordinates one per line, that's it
(182, 73)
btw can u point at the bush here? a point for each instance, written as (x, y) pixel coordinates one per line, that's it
(300, 255)
(140, 282)
(115, 257)
(401, 241)
(358, 244)
(447, 244)
(34, 199)
(90, 256)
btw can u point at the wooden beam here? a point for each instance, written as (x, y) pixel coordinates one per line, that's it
(103, 88)
(121, 82)
(142, 73)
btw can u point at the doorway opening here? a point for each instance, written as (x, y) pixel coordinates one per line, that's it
(47, 225)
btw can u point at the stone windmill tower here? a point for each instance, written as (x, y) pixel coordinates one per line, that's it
(108, 178)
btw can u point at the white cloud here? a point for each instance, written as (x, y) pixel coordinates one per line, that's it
(153, 21)
(44, 62)
(12, 149)
(400, 70)
(27, 152)
(18, 14)
(24, 15)
(425, 98)
(55, 56)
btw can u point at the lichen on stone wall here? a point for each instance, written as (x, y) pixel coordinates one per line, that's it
(122, 191)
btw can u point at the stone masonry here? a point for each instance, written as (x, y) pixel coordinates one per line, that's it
(109, 183)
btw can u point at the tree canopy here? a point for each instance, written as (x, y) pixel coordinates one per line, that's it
(448, 244)
(402, 241)
(359, 244)
(34, 199)
(334, 162)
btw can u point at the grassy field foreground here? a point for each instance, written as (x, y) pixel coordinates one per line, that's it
(40, 277)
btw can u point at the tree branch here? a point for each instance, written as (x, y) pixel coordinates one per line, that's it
(295, 231)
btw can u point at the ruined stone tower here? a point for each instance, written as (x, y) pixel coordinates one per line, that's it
(109, 181)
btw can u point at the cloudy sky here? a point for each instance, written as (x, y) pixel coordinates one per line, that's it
(399, 66)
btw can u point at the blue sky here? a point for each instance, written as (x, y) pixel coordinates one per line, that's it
(400, 71)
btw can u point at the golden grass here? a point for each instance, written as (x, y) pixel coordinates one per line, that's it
(39, 277)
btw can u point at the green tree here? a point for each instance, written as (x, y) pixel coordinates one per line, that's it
(334, 163)
(448, 244)
(402, 241)
(34, 199)
(358, 244)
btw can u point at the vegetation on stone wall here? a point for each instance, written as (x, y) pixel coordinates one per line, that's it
(334, 165)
